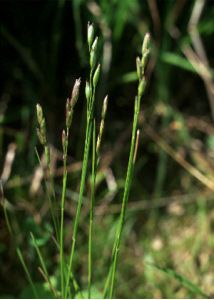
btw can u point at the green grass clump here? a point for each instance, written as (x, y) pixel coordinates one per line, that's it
(92, 144)
(66, 285)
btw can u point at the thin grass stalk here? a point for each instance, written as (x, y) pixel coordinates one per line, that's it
(7, 219)
(132, 157)
(128, 182)
(109, 276)
(112, 271)
(62, 268)
(92, 200)
(54, 201)
(95, 163)
(43, 265)
(79, 205)
(51, 195)
(90, 96)
(21, 258)
(6, 216)
(108, 291)
(41, 271)
(65, 137)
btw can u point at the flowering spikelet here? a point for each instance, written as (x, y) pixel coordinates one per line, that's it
(75, 92)
(93, 53)
(90, 35)
(145, 50)
(64, 141)
(102, 123)
(96, 76)
(87, 91)
(41, 130)
(70, 103)
(141, 63)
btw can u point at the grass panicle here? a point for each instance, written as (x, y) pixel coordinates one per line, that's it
(42, 136)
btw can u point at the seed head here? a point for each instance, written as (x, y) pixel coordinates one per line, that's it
(90, 35)
(41, 131)
(139, 67)
(144, 59)
(39, 112)
(68, 113)
(87, 91)
(146, 41)
(68, 105)
(104, 108)
(145, 50)
(64, 141)
(93, 53)
(75, 92)
(94, 45)
(141, 87)
(96, 76)
(102, 124)
(92, 59)
(41, 137)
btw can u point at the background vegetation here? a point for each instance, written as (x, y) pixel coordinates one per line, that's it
(170, 221)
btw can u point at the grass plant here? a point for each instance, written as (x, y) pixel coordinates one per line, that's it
(67, 284)
(141, 63)
(93, 144)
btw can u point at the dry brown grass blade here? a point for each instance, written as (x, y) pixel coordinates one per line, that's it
(149, 203)
(48, 281)
(178, 158)
(198, 57)
(200, 124)
(9, 159)
(152, 4)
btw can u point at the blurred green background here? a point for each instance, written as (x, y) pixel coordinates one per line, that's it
(170, 218)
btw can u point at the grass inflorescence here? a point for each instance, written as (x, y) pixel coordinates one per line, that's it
(68, 286)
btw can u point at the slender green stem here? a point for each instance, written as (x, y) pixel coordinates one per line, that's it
(90, 96)
(108, 292)
(93, 176)
(123, 209)
(95, 164)
(9, 227)
(52, 195)
(106, 287)
(79, 205)
(53, 204)
(70, 103)
(65, 174)
(44, 268)
(21, 258)
(132, 157)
